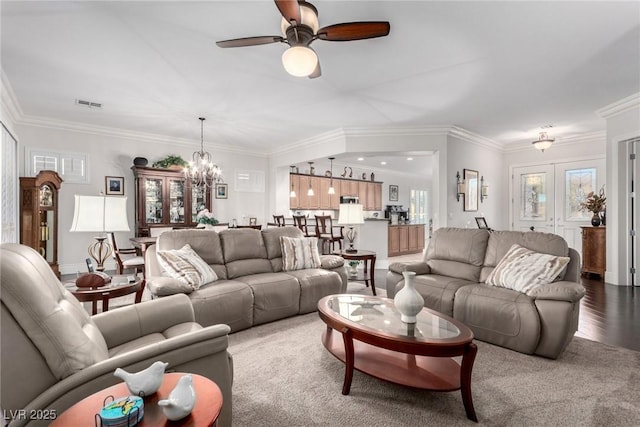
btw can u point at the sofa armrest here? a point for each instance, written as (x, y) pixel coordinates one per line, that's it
(416, 267)
(330, 262)
(137, 320)
(162, 286)
(559, 291)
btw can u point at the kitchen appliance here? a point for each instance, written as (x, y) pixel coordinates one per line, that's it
(391, 211)
(349, 200)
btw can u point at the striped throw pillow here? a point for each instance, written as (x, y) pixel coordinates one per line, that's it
(299, 253)
(186, 265)
(524, 270)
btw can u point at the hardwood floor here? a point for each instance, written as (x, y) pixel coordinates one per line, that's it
(610, 314)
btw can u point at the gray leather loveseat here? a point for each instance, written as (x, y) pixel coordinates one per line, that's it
(452, 281)
(252, 287)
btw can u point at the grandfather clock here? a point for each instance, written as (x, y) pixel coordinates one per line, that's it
(39, 215)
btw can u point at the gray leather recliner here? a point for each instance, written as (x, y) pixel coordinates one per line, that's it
(53, 354)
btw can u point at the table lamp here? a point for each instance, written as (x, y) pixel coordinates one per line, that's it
(100, 214)
(350, 214)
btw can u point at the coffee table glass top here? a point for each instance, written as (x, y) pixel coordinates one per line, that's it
(381, 315)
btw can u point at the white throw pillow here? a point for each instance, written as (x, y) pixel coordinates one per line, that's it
(186, 265)
(299, 253)
(524, 270)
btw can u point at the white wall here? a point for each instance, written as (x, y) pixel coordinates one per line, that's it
(490, 164)
(113, 156)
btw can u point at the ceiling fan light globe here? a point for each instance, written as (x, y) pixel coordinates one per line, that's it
(299, 61)
(308, 16)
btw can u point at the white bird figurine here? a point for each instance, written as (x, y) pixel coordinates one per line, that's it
(145, 382)
(181, 399)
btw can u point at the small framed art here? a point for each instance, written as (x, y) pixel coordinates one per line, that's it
(253, 221)
(393, 193)
(222, 191)
(114, 185)
(471, 191)
(482, 223)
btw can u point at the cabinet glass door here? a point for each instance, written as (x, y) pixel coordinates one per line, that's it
(176, 201)
(153, 201)
(198, 201)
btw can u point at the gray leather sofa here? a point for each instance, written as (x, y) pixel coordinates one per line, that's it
(451, 279)
(252, 287)
(53, 354)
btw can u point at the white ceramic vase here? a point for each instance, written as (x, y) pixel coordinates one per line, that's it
(408, 300)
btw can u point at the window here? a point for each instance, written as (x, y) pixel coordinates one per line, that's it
(9, 185)
(418, 206)
(71, 167)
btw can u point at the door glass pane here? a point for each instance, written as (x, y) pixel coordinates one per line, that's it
(534, 197)
(176, 201)
(198, 201)
(153, 201)
(578, 183)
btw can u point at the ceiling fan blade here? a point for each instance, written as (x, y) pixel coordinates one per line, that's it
(290, 10)
(354, 31)
(249, 41)
(316, 73)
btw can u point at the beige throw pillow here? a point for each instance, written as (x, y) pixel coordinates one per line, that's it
(524, 270)
(299, 253)
(186, 265)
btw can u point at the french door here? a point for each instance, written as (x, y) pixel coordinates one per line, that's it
(547, 197)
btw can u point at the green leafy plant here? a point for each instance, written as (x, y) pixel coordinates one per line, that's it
(170, 160)
(206, 217)
(595, 203)
(353, 264)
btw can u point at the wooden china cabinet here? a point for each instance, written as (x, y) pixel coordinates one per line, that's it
(594, 254)
(165, 199)
(39, 215)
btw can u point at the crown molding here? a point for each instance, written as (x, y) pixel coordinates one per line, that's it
(332, 136)
(126, 134)
(476, 139)
(9, 100)
(588, 137)
(621, 106)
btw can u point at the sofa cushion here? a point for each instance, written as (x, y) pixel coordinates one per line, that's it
(299, 253)
(225, 301)
(50, 315)
(244, 252)
(501, 241)
(315, 284)
(206, 243)
(186, 265)
(524, 270)
(275, 296)
(438, 291)
(271, 237)
(457, 252)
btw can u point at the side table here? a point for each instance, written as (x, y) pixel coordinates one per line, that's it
(368, 258)
(205, 412)
(118, 287)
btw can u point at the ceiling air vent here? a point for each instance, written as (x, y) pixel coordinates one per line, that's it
(88, 104)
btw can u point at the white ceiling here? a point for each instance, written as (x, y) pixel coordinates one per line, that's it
(498, 69)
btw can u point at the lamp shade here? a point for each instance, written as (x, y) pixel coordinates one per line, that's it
(350, 213)
(299, 61)
(100, 214)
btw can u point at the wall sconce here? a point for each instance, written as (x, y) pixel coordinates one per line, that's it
(484, 189)
(460, 186)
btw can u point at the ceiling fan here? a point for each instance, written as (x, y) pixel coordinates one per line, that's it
(300, 26)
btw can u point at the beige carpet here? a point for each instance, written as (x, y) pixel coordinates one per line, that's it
(284, 377)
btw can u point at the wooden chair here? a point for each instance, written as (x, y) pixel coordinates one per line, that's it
(328, 233)
(300, 221)
(127, 259)
(278, 220)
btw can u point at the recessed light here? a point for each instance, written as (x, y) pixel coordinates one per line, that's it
(409, 158)
(360, 159)
(383, 163)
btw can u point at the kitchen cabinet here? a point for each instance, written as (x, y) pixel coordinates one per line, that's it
(165, 199)
(369, 193)
(405, 239)
(39, 215)
(594, 255)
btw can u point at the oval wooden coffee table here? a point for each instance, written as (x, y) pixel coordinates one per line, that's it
(375, 341)
(205, 412)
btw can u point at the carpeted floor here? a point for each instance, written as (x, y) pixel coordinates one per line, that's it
(283, 376)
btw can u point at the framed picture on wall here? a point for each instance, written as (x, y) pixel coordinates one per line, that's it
(482, 223)
(221, 191)
(114, 185)
(393, 193)
(471, 190)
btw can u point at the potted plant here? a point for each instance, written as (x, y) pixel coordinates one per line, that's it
(595, 203)
(206, 218)
(353, 270)
(171, 160)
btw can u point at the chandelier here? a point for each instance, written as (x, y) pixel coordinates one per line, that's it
(201, 171)
(543, 142)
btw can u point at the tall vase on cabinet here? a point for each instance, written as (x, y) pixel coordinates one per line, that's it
(408, 300)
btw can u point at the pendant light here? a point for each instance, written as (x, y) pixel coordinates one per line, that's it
(310, 191)
(331, 189)
(543, 142)
(201, 171)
